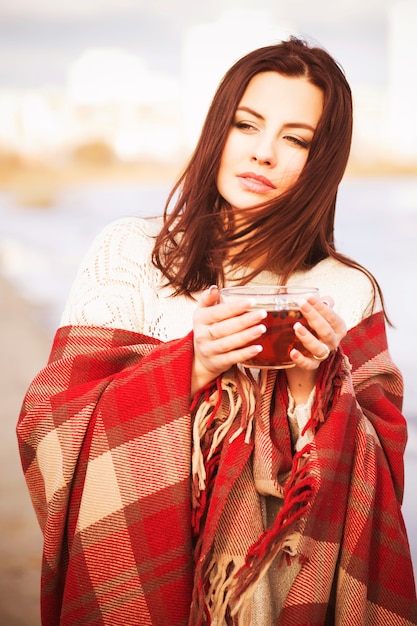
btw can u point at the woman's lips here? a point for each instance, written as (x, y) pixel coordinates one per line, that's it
(256, 183)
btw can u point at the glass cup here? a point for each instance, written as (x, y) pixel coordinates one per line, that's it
(282, 304)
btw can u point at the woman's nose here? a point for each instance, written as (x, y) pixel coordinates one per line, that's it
(264, 152)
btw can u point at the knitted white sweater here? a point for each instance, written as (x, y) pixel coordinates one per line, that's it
(117, 286)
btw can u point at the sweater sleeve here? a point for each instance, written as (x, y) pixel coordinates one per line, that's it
(108, 290)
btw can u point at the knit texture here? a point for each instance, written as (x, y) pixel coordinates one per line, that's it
(118, 287)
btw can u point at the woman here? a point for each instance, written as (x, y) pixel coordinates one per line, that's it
(266, 499)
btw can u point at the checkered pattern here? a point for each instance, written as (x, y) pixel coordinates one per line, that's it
(105, 442)
(99, 443)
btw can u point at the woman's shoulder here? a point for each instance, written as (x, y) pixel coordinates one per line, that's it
(132, 226)
(130, 238)
(115, 276)
(333, 270)
(353, 291)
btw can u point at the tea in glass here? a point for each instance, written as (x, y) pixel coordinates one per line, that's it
(282, 304)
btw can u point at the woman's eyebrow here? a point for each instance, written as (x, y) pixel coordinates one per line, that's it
(288, 125)
(251, 111)
(300, 125)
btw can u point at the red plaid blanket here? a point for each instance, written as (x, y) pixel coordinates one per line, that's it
(105, 437)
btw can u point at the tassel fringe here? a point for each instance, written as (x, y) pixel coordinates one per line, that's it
(240, 396)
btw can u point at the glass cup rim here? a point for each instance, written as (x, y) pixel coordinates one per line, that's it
(268, 290)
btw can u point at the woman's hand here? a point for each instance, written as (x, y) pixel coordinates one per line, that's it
(330, 330)
(223, 331)
(221, 334)
(328, 326)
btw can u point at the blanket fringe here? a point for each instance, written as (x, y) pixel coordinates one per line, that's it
(283, 535)
(240, 392)
(232, 580)
(328, 384)
(222, 580)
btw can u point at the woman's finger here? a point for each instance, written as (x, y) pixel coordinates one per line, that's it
(328, 301)
(324, 321)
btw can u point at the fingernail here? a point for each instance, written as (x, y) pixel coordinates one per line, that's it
(300, 328)
(248, 303)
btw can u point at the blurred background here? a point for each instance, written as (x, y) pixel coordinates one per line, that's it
(101, 102)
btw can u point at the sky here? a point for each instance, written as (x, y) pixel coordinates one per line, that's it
(39, 39)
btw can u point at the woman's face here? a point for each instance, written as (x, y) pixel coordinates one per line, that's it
(268, 144)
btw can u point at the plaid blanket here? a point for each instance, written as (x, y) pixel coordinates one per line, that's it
(107, 441)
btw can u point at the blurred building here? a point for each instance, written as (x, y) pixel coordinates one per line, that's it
(113, 99)
(116, 98)
(32, 122)
(402, 101)
(211, 48)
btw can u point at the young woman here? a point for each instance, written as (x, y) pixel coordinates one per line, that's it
(174, 486)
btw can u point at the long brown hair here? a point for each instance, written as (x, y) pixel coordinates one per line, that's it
(293, 231)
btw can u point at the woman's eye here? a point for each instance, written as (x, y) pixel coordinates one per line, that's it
(298, 141)
(245, 126)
